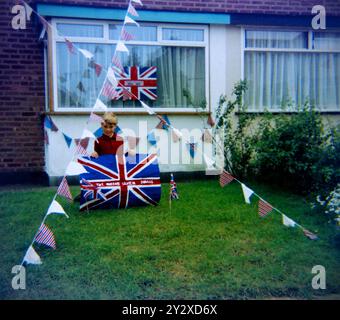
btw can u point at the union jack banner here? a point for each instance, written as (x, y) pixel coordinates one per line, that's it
(45, 236)
(119, 181)
(140, 82)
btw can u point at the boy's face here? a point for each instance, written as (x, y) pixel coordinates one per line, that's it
(108, 127)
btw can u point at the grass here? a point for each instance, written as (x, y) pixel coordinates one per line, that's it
(210, 246)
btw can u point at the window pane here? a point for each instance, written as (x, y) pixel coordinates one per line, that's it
(80, 30)
(274, 78)
(327, 41)
(276, 39)
(178, 69)
(142, 33)
(183, 34)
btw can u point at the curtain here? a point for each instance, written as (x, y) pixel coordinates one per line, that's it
(178, 69)
(277, 78)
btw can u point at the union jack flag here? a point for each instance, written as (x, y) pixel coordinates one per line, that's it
(119, 181)
(141, 82)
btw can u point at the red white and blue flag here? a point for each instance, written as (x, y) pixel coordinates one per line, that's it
(45, 236)
(173, 188)
(141, 82)
(119, 181)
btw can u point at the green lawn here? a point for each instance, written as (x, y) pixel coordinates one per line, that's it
(210, 246)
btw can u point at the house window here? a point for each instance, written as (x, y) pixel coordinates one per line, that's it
(283, 67)
(178, 52)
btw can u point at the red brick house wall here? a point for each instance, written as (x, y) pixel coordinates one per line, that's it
(22, 89)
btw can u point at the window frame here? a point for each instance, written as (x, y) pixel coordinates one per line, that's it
(55, 38)
(309, 49)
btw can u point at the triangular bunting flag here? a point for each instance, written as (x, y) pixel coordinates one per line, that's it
(287, 221)
(81, 151)
(137, 1)
(264, 208)
(55, 207)
(118, 130)
(117, 63)
(151, 138)
(28, 10)
(210, 121)
(164, 122)
(247, 192)
(132, 10)
(86, 74)
(45, 236)
(225, 178)
(49, 124)
(87, 54)
(126, 36)
(31, 257)
(310, 235)
(98, 133)
(87, 134)
(131, 21)
(121, 47)
(44, 22)
(74, 169)
(112, 77)
(192, 148)
(84, 142)
(109, 91)
(70, 47)
(206, 136)
(147, 108)
(64, 190)
(95, 118)
(100, 106)
(67, 139)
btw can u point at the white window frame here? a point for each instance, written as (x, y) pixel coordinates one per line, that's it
(105, 40)
(308, 50)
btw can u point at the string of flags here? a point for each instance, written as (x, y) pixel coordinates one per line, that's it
(264, 207)
(45, 235)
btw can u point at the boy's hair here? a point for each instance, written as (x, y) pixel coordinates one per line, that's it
(110, 117)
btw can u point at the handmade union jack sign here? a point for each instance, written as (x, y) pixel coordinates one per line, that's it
(119, 181)
(140, 82)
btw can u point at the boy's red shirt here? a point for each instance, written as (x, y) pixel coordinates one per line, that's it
(107, 145)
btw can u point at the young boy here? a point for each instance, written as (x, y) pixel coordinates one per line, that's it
(109, 142)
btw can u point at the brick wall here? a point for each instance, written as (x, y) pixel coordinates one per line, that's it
(22, 70)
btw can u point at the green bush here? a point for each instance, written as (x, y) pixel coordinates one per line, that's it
(287, 149)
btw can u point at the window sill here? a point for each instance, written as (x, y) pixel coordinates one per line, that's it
(322, 112)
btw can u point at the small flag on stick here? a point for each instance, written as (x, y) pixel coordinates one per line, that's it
(225, 178)
(173, 188)
(264, 208)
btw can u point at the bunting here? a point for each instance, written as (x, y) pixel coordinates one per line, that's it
(74, 169)
(137, 1)
(95, 118)
(84, 142)
(147, 108)
(264, 208)
(46, 237)
(70, 47)
(49, 124)
(68, 140)
(117, 63)
(122, 47)
(126, 36)
(225, 178)
(247, 193)
(31, 257)
(55, 207)
(287, 221)
(129, 20)
(192, 148)
(64, 190)
(132, 10)
(87, 54)
(309, 234)
(210, 120)
(99, 106)
(81, 87)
